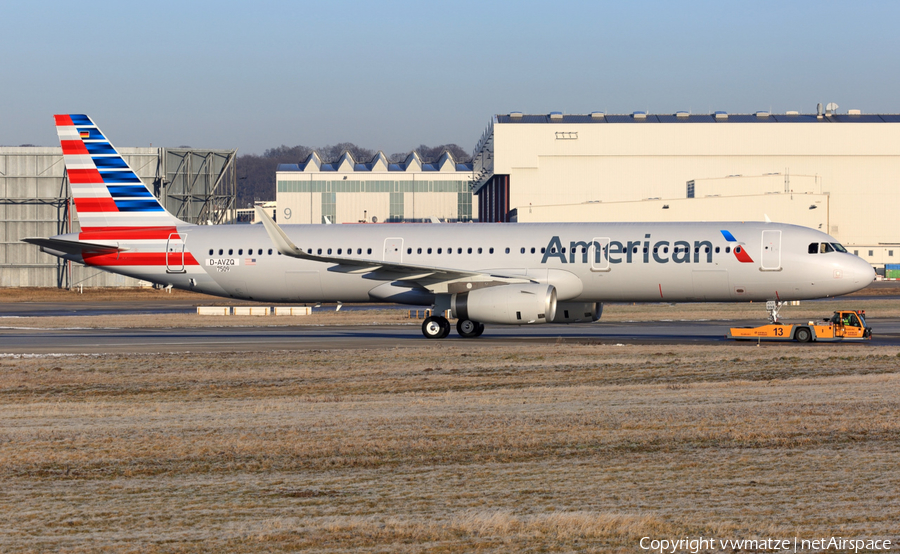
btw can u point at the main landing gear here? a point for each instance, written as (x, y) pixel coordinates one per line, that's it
(437, 327)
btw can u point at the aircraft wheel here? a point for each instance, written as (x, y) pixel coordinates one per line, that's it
(469, 329)
(803, 335)
(435, 327)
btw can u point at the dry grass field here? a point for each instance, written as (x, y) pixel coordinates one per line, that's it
(438, 448)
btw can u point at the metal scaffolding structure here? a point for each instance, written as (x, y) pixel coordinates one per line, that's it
(198, 186)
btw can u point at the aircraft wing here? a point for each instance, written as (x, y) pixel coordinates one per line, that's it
(73, 246)
(426, 276)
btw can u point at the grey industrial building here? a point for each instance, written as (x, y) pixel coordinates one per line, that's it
(196, 185)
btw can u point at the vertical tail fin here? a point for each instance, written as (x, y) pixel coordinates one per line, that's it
(108, 194)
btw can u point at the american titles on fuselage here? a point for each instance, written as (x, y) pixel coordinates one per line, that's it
(616, 252)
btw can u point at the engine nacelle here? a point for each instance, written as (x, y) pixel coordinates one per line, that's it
(577, 312)
(506, 304)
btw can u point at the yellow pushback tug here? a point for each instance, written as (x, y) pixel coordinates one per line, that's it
(844, 325)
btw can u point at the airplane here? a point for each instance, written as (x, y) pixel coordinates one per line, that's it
(478, 273)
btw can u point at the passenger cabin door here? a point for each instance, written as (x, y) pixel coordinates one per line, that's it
(770, 258)
(393, 250)
(599, 254)
(175, 254)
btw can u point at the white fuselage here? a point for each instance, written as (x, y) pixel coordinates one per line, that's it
(639, 262)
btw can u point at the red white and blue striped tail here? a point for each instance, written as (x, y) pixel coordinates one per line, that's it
(108, 194)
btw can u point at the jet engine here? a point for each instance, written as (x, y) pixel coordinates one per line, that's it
(506, 304)
(577, 312)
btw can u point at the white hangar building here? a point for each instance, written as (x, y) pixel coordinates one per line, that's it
(836, 172)
(375, 191)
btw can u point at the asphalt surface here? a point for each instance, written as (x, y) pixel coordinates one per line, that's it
(262, 338)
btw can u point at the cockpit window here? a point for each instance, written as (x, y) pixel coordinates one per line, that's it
(839, 247)
(814, 248)
(826, 248)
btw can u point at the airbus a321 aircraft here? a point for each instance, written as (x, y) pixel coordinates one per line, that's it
(497, 273)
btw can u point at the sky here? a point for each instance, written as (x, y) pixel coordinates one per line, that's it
(392, 75)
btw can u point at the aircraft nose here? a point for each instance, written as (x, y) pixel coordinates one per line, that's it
(858, 271)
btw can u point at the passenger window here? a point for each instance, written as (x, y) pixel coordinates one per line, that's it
(429, 250)
(418, 250)
(241, 252)
(706, 249)
(319, 251)
(727, 249)
(665, 249)
(507, 250)
(737, 249)
(329, 250)
(440, 250)
(717, 249)
(340, 250)
(220, 251)
(359, 250)
(479, 250)
(450, 250)
(368, 250)
(813, 248)
(522, 251)
(459, 250)
(645, 250)
(408, 251)
(230, 251)
(210, 251)
(469, 251)
(270, 251)
(543, 250)
(532, 250)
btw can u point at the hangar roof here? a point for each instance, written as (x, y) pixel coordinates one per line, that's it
(346, 164)
(684, 117)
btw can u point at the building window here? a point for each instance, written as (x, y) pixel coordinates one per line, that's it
(464, 206)
(871, 253)
(329, 199)
(396, 206)
(891, 253)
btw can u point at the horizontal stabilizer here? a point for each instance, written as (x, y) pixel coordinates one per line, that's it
(73, 246)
